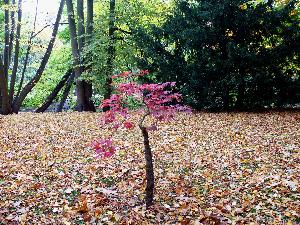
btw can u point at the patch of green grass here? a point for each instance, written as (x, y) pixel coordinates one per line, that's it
(109, 181)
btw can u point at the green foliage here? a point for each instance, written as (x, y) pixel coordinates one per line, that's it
(59, 63)
(64, 35)
(130, 14)
(231, 54)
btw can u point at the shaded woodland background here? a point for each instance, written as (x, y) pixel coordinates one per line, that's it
(224, 55)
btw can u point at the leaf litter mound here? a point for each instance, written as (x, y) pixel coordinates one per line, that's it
(225, 168)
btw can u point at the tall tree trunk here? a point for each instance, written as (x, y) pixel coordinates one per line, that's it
(5, 104)
(66, 92)
(6, 39)
(54, 93)
(76, 56)
(110, 51)
(81, 85)
(81, 30)
(16, 56)
(239, 105)
(149, 168)
(89, 20)
(89, 33)
(12, 31)
(25, 64)
(28, 87)
(82, 101)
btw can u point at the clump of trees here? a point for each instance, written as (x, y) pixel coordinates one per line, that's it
(97, 36)
(231, 54)
(223, 55)
(11, 101)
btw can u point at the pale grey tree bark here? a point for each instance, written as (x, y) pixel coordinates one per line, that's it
(16, 54)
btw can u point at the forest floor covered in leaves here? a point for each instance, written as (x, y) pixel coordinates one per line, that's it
(224, 168)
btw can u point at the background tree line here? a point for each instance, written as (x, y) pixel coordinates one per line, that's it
(224, 55)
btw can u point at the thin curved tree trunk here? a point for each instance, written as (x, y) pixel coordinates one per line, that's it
(28, 87)
(149, 168)
(54, 93)
(16, 55)
(66, 92)
(25, 64)
(12, 31)
(6, 40)
(23, 73)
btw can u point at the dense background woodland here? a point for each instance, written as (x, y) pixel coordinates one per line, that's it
(223, 55)
(170, 112)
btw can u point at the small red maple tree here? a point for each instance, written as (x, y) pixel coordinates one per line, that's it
(158, 101)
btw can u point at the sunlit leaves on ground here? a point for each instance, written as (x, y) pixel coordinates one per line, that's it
(210, 168)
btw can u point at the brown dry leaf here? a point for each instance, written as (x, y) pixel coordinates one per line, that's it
(83, 205)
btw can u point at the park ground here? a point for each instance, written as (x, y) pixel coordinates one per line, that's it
(222, 168)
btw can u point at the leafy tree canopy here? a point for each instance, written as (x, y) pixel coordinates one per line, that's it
(231, 54)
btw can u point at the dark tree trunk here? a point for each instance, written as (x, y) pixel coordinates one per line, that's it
(66, 92)
(16, 56)
(6, 40)
(89, 33)
(28, 87)
(89, 20)
(76, 57)
(54, 93)
(149, 168)
(226, 99)
(111, 51)
(88, 92)
(25, 64)
(81, 31)
(12, 31)
(5, 104)
(83, 101)
(83, 85)
(241, 94)
(23, 73)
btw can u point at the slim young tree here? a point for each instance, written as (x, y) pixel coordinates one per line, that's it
(6, 39)
(49, 100)
(66, 92)
(16, 54)
(157, 102)
(12, 30)
(25, 63)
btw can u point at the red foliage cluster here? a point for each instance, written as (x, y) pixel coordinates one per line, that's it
(104, 148)
(158, 101)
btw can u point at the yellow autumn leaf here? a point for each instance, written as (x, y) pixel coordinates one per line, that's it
(243, 6)
(179, 139)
